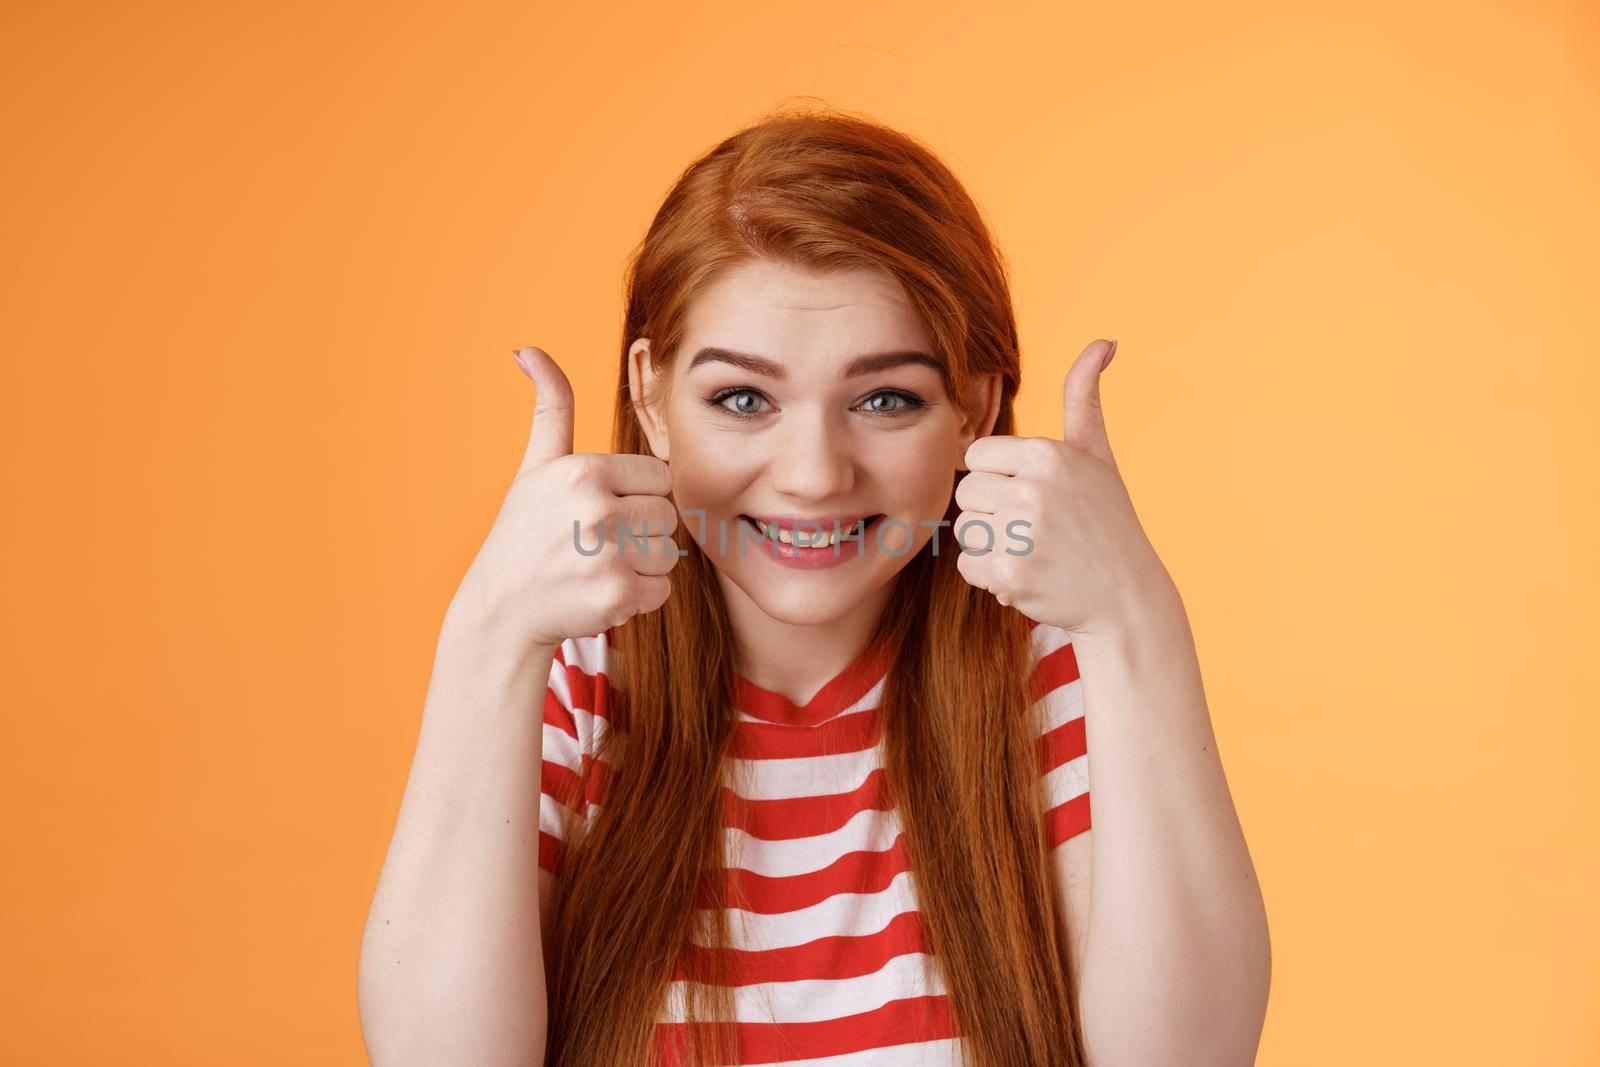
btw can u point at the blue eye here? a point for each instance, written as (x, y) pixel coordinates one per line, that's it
(746, 404)
(904, 402)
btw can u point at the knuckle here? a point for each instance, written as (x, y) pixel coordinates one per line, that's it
(591, 524)
(964, 492)
(1041, 454)
(972, 534)
(1026, 494)
(615, 592)
(1006, 572)
(584, 470)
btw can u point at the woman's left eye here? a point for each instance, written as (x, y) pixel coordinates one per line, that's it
(899, 402)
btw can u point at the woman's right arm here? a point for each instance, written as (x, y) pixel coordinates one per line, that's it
(452, 957)
(452, 964)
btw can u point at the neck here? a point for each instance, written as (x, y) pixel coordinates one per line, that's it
(795, 660)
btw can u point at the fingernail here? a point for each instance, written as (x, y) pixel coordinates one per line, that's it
(1106, 362)
(516, 354)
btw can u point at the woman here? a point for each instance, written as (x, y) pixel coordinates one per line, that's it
(822, 649)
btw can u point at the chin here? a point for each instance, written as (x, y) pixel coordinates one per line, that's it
(802, 600)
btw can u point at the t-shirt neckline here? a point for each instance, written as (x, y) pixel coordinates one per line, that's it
(846, 687)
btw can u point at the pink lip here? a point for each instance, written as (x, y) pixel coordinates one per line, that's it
(811, 558)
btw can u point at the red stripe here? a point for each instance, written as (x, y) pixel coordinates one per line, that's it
(898, 1022)
(1053, 670)
(769, 740)
(792, 817)
(838, 956)
(590, 692)
(550, 849)
(839, 692)
(560, 783)
(854, 872)
(557, 715)
(1066, 820)
(1066, 742)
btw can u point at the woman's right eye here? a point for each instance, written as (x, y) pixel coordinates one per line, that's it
(745, 402)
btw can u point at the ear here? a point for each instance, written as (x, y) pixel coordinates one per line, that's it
(983, 399)
(644, 391)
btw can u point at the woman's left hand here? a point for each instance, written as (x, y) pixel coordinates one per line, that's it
(1090, 567)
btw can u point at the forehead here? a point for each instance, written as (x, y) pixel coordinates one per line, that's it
(799, 317)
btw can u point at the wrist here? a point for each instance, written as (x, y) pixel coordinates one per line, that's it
(470, 624)
(1147, 601)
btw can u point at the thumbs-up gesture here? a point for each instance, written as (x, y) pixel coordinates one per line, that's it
(559, 561)
(1089, 563)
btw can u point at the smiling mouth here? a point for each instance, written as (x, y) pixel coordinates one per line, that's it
(800, 534)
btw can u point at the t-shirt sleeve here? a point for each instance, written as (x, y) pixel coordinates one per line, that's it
(576, 701)
(1063, 749)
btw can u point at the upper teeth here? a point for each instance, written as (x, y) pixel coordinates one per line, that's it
(807, 538)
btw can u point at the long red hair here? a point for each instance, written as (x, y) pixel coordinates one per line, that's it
(822, 189)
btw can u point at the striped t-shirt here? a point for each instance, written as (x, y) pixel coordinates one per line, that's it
(829, 959)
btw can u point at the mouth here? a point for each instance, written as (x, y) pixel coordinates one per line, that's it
(816, 533)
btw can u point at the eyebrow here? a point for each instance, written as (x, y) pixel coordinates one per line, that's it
(861, 365)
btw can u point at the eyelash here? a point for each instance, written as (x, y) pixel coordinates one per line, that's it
(909, 402)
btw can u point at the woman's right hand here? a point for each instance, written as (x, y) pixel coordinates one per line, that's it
(529, 580)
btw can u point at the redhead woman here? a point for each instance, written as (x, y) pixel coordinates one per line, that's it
(770, 736)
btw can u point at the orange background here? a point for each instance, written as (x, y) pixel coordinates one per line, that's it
(262, 271)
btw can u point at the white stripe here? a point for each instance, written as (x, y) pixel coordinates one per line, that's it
(1069, 780)
(843, 914)
(591, 728)
(801, 776)
(821, 999)
(1059, 706)
(1046, 639)
(558, 684)
(550, 816)
(588, 653)
(867, 831)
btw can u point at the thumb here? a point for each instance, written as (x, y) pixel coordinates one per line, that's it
(551, 435)
(1083, 424)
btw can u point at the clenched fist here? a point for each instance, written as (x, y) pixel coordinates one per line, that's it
(539, 572)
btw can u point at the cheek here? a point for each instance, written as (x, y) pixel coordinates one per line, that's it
(921, 476)
(705, 469)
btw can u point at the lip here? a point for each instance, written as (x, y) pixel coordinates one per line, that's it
(811, 558)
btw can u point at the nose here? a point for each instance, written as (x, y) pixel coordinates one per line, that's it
(812, 460)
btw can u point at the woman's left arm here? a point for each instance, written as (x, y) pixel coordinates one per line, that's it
(1176, 961)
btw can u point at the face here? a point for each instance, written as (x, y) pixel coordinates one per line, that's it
(797, 401)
